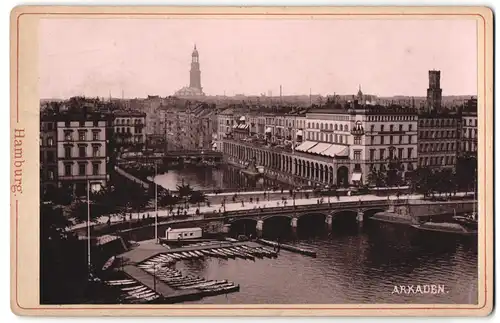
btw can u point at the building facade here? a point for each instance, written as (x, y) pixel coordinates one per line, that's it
(438, 140)
(469, 132)
(129, 127)
(332, 146)
(48, 153)
(81, 151)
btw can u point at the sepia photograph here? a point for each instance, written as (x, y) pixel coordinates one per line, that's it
(258, 160)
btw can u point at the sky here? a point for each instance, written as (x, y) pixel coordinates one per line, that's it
(95, 57)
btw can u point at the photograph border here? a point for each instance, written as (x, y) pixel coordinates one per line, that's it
(25, 114)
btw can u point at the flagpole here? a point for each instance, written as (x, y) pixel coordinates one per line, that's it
(156, 204)
(88, 225)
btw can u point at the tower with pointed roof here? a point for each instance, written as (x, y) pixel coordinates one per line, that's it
(359, 96)
(195, 73)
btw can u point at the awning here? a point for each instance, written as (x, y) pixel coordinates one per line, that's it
(356, 177)
(268, 130)
(319, 148)
(333, 150)
(306, 145)
(343, 153)
(214, 145)
(299, 133)
(234, 126)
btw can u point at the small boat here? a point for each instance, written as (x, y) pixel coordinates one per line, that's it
(108, 263)
(199, 253)
(122, 283)
(446, 228)
(131, 288)
(194, 254)
(137, 291)
(205, 284)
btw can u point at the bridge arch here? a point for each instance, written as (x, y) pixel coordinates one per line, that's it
(347, 212)
(368, 213)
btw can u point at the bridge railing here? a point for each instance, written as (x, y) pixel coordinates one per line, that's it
(304, 208)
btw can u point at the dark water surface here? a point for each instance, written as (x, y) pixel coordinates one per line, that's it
(353, 265)
(223, 177)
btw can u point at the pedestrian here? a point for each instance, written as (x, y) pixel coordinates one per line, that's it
(242, 203)
(282, 190)
(257, 200)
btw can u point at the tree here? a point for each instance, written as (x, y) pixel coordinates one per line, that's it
(466, 172)
(138, 198)
(394, 172)
(422, 181)
(167, 199)
(184, 191)
(63, 261)
(377, 178)
(58, 195)
(197, 197)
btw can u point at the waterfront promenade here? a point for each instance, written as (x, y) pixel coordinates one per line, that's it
(164, 214)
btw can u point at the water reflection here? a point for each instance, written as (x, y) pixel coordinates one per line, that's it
(354, 265)
(223, 177)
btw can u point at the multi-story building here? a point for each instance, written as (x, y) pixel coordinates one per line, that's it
(81, 150)
(438, 139)
(340, 146)
(362, 139)
(48, 152)
(129, 127)
(469, 132)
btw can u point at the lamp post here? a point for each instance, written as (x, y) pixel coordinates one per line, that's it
(154, 277)
(156, 203)
(88, 228)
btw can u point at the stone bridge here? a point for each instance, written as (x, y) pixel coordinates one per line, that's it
(192, 154)
(359, 210)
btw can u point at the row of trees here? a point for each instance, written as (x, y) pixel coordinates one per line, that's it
(127, 197)
(429, 181)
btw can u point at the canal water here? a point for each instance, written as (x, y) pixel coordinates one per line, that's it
(353, 265)
(210, 178)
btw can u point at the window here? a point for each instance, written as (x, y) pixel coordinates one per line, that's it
(372, 128)
(67, 152)
(95, 151)
(95, 169)
(400, 139)
(372, 154)
(67, 135)
(357, 140)
(82, 169)
(410, 139)
(357, 154)
(382, 128)
(50, 156)
(390, 140)
(96, 123)
(82, 151)
(391, 128)
(400, 127)
(381, 140)
(400, 153)
(49, 126)
(67, 170)
(410, 152)
(50, 174)
(381, 153)
(95, 135)
(50, 141)
(67, 124)
(82, 123)
(81, 135)
(409, 127)
(336, 127)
